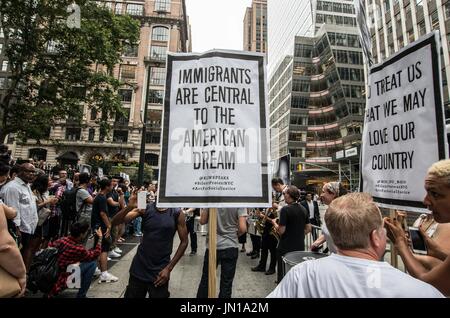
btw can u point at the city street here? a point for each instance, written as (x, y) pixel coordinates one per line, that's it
(186, 276)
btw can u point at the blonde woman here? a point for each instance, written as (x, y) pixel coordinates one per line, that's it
(330, 191)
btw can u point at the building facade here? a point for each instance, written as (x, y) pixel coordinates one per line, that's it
(394, 24)
(164, 27)
(316, 92)
(255, 27)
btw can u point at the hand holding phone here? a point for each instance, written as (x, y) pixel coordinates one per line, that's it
(142, 200)
(417, 241)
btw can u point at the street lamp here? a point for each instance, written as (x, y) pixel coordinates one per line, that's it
(151, 61)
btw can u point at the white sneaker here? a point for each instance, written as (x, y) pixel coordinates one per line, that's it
(98, 272)
(109, 258)
(113, 254)
(117, 250)
(107, 278)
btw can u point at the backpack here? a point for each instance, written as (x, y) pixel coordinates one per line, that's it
(44, 271)
(68, 204)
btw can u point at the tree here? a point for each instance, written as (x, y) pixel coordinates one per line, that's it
(56, 70)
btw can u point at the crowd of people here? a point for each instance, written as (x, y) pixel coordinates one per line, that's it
(84, 218)
(38, 210)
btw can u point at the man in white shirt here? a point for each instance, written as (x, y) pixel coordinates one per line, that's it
(18, 195)
(356, 226)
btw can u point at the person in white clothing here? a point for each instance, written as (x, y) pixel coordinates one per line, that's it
(357, 229)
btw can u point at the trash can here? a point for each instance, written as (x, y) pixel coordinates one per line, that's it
(293, 258)
(198, 228)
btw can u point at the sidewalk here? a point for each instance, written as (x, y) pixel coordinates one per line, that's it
(186, 276)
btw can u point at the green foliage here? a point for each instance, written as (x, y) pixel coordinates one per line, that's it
(132, 171)
(47, 85)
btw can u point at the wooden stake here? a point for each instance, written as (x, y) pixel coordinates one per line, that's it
(394, 259)
(212, 220)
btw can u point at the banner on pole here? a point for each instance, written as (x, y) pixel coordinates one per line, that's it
(404, 130)
(215, 131)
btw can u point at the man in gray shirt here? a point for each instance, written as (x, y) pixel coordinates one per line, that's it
(84, 199)
(231, 223)
(18, 195)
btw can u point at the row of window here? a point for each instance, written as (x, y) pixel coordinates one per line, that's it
(343, 39)
(335, 7)
(119, 136)
(335, 19)
(133, 8)
(348, 57)
(157, 74)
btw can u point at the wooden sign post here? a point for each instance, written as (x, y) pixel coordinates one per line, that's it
(212, 219)
(394, 259)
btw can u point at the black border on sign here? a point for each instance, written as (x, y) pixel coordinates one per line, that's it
(431, 40)
(162, 198)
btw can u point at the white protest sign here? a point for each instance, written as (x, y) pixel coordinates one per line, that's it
(215, 132)
(404, 131)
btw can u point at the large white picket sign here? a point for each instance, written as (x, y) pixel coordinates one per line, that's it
(215, 136)
(404, 130)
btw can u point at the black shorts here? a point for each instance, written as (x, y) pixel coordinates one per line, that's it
(106, 243)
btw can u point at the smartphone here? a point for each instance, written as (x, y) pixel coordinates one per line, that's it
(142, 200)
(417, 240)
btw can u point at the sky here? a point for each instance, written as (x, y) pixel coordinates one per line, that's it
(216, 24)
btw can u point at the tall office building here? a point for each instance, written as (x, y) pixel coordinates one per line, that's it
(394, 24)
(255, 27)
(316, 87)
(164, 27)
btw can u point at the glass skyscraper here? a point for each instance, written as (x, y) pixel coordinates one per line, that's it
(316, 89)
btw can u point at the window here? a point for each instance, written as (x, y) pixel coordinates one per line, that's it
(158, 76)
(135, 9)
(154, 118)
(73, 134)
(300, 86)
(37, 154)
(128, 72)
(160, 34)
(3, 83)
(158, 52)
(120, 136)
(155, 97)
(1, 48)
(126, 95)
(130, 50)
(434, 20)
(93, 114)
(421, 27)
(2, 35)
(123, 118)
(447, 10)
(151, 159)
(162, 5)
(78, 92)
(5, 66)
(91, 134)
(118, 8)
(153, 137)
